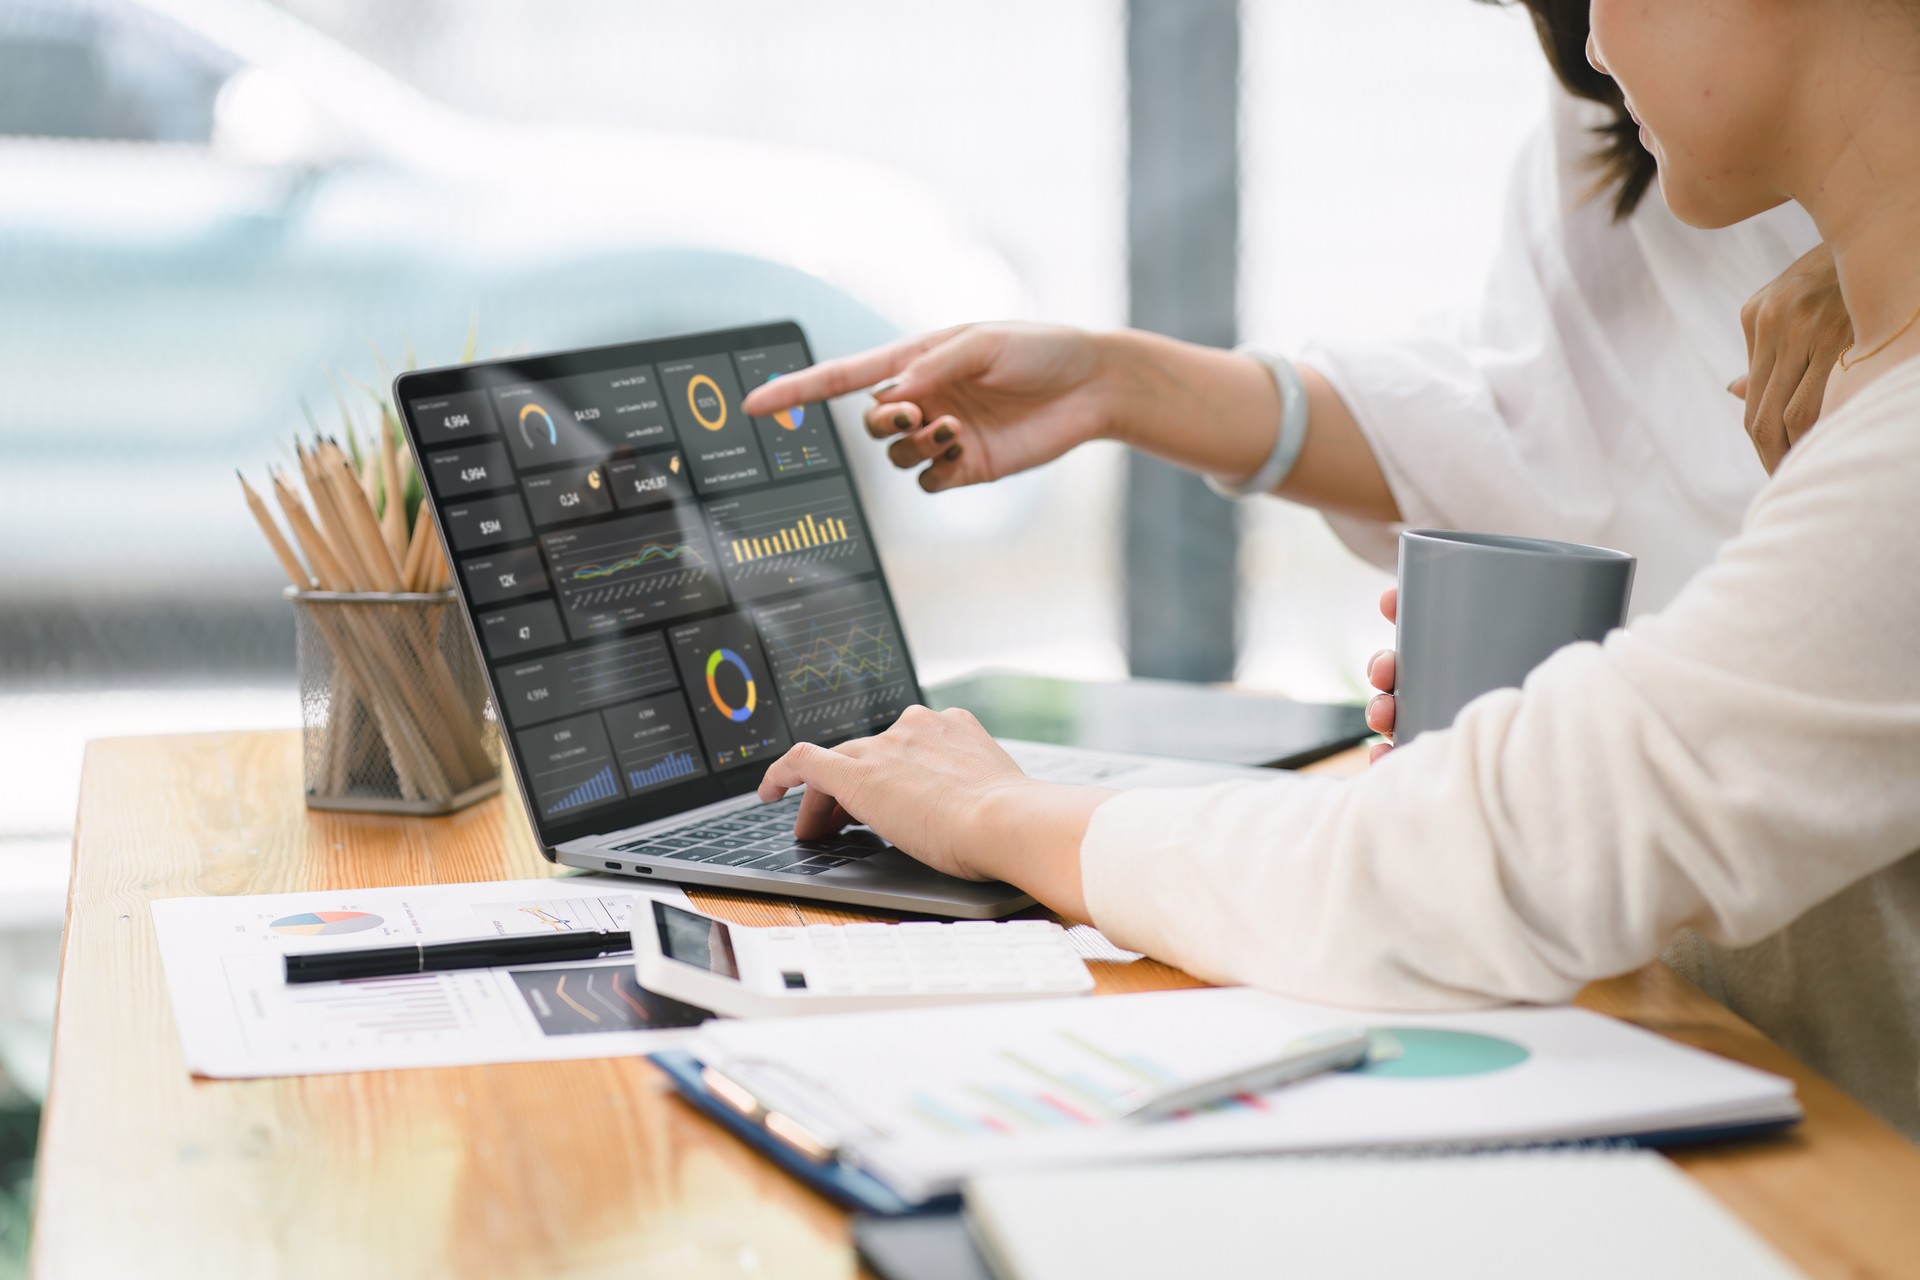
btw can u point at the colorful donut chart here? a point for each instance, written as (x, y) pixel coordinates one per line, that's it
(714, 660)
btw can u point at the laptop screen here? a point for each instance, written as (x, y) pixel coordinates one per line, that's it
(667, 593)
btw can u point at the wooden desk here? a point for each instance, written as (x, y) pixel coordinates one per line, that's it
(576, 1169)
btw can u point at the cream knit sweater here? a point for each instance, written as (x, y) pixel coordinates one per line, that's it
(1744, 765)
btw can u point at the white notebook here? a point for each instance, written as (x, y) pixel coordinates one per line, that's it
(1569, 1215)
(924, 1098)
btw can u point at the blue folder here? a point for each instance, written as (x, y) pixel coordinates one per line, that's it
(837, 1180)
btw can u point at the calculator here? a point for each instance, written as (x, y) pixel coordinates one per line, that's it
(746, 972)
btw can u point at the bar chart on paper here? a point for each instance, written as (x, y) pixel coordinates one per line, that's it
(1061, 1081)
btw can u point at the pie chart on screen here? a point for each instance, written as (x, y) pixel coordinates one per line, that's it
(790, 418)
(311, 924)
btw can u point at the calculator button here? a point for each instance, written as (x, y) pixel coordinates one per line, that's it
(864, 930)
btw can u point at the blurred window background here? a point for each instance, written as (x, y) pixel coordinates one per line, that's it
(214, 212)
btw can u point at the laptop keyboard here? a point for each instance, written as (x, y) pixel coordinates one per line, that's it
(760, 838)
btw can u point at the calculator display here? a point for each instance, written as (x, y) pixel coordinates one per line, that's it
(697, 940)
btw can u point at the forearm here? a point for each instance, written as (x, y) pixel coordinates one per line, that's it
(1029, 835)
(1216, 412)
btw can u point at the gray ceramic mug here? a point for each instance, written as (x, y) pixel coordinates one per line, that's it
(1478, 611)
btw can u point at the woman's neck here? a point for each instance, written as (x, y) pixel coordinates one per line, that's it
(1865, 199)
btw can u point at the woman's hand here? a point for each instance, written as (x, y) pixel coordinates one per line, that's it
(938, 787)
(1380, 674)
(1796, 328)
(977, 403)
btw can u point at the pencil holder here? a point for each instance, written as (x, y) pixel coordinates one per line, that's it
(393, 703)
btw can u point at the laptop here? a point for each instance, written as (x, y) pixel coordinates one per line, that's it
(668, 594)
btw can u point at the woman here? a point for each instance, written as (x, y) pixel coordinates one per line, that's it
(1589, 400)
(1745, 760)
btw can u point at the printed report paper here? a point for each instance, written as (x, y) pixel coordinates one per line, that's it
(924, 1097)
(239, 1018)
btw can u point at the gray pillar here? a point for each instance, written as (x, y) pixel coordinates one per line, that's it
(1183, 222)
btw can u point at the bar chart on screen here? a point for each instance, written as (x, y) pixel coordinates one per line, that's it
(793, 536)
(654, 742)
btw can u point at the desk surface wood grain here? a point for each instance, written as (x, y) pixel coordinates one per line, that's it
(574, 1169)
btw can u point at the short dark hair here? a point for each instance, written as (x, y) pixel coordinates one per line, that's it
(1623, 165)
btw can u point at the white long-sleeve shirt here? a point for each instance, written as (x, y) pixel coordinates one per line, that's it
(1746, 763)
(1587, 399)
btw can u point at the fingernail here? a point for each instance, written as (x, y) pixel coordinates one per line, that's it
(901, 422)
(952, 454)
(943, 435)
(1376, 657)
(1732, 385)
(881, 388)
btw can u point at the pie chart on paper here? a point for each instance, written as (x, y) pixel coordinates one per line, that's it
(312, 924)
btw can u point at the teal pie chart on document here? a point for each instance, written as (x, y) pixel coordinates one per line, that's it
(320, 924)
(1434, 1053)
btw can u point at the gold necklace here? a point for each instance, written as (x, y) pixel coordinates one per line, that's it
(1891, 339)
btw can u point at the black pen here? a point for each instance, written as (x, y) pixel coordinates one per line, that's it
(475, 953)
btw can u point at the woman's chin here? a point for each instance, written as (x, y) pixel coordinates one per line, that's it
(1710, 205)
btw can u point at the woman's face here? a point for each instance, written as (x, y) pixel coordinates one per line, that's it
(1713, 84)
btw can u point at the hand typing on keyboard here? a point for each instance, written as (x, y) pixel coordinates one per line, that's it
(941, 789)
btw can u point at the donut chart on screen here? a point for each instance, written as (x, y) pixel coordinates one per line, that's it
(727, 657)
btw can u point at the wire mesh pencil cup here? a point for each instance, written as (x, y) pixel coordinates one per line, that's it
(393, 704)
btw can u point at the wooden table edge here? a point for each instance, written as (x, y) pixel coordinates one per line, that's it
(1764, 1182)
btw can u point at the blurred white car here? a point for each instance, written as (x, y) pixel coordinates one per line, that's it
(205, 206)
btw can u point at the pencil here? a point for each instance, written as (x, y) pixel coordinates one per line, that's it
(417, 550)
(356, 514)
(393, 513)
(296, 572)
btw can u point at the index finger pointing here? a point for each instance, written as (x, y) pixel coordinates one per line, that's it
(838, 377)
